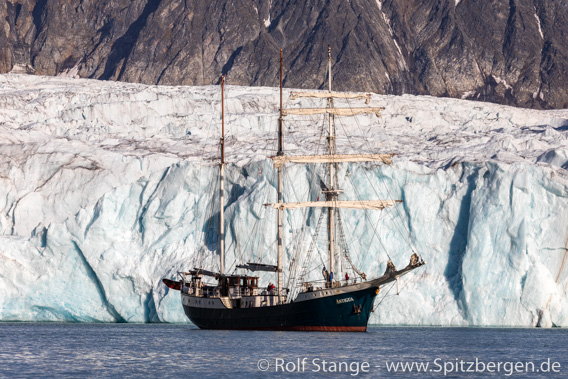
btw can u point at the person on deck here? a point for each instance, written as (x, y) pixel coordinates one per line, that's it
(325, 274)
(346, 278)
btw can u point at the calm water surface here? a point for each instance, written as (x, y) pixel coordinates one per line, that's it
(164, 350)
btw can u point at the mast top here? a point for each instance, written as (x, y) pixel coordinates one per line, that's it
(329, 65)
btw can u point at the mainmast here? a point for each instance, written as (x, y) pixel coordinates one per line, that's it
(222, 183)
(331, 158)
(331, 193)
(280, 153)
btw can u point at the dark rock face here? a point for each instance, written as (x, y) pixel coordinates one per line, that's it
(507, 51)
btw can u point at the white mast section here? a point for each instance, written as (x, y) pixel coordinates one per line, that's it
(222, 184)
(280, 153)
(332, 111)
(332, 194)
(363, 204)
(280, 160)
(327, 95)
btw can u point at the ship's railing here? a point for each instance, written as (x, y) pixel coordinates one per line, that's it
(203, 290)
(243, 291)
(234, 292)
(322, 284)
(211, 292)
(274, 292)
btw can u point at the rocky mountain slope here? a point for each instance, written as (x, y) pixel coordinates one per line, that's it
(507, 51)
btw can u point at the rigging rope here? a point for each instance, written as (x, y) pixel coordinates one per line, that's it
(399, 290)
(346, 248)
(297, 260)
(400, 218)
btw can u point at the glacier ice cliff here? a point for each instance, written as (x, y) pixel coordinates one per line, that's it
(105, 189)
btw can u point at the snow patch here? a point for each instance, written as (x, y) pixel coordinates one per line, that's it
(502, 81)
(401, 61)
(380, 5)
(72, 72)
(21, 69)
(538, 23)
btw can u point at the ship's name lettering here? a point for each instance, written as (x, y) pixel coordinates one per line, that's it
(345, 300)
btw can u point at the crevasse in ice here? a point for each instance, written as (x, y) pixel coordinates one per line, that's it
(106, 188)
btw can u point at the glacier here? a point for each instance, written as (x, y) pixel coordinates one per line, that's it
(105, 189)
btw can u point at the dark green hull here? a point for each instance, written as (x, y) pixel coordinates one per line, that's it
(340, 312)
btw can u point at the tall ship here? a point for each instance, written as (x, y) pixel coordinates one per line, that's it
(334, 303)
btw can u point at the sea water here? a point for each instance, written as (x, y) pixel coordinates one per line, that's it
(168, 350)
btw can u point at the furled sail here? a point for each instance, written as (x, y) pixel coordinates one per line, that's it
(327, 95)
(280, 160)
(258, 267)
(334, 111)
(364, 204)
